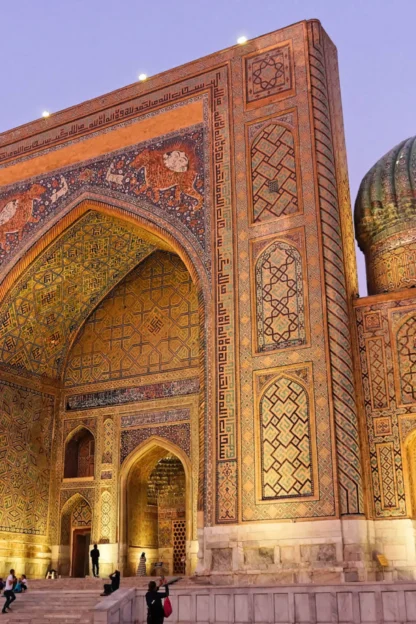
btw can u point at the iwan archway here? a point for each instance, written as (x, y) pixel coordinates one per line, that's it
(82, 276)
(157, 509)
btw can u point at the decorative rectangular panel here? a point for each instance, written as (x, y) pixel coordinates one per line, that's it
(377, 373)
(279, 293)
(286, 436)
(269, 74)
(387, 475)
(273, 172)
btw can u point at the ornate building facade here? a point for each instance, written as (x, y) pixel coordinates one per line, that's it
(185, 369)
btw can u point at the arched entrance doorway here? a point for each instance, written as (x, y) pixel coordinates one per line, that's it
(75, 534)
(156, 513)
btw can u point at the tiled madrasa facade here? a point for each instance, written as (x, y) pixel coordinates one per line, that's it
(186, 369)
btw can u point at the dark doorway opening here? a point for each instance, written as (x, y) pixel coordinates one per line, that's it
(79, 455)
(80, 552)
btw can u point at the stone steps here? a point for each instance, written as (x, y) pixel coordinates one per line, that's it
(63, 601)
(56, 606)
(89, 583)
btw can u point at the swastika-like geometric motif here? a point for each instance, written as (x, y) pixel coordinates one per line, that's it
(285, 441)
(279, 298)
(377, 372)
(47, 304)
(273, 173)
(108, 440)
(25, 452)
(105, 517)
(406, 352)
(269, 73)
(387, 474)
(119, 339)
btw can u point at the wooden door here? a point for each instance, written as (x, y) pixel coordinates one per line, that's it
(80, 552)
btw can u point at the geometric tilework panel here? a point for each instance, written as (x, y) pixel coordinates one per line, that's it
(25, 451)
(285, 441)
(108, 441)
(269, 73)
(47, 304)
(81, 515)
(406, 351)
(387, 475)
(280, 313)
(75, 513)
(385, 348)
(105, 517)
(273, 173)
(178, 434)
(411, 458)
(149, 323)
(377, 370)
(339, 274)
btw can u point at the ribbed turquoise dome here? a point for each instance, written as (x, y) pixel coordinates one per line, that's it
(386, 201)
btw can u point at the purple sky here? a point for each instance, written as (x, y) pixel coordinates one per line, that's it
(56, 53)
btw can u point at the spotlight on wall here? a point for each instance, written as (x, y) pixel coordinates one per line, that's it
(242, 40)
(45, 114)
(142, 77)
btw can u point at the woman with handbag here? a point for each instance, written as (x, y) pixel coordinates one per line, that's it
(155, 610)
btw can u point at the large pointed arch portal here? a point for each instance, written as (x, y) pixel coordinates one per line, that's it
(47, 297)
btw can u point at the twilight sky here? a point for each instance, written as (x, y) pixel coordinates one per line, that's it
(56, 53)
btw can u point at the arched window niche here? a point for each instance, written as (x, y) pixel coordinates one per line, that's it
(79, 455)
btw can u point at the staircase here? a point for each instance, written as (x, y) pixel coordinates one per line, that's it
(59, 607)
(61, 601)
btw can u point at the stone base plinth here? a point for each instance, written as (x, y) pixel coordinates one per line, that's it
(327, 551)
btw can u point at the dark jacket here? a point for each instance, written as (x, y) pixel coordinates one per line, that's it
(154, 602)
(95, 554)
(115, 581)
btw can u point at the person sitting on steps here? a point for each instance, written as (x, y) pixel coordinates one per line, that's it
(24, 582)
(18, 586)
(115, 584)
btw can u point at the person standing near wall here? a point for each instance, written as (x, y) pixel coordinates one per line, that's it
(95, 560)
(141, 570)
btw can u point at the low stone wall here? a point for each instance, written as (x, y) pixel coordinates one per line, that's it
(359, 603)
(118, 608)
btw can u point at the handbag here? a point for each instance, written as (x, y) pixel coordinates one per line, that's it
(167, 607)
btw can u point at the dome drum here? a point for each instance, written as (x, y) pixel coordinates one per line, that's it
(385, 220)
(391, 263)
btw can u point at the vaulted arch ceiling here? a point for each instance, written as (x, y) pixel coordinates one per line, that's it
(42, 312)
